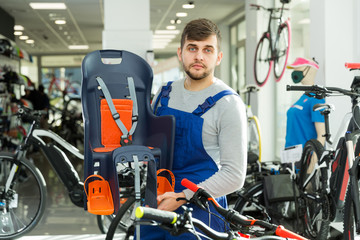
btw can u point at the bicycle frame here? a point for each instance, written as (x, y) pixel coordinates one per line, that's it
(57, 158)
(337, 166)
(271, 33)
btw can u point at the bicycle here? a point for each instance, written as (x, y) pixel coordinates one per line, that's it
(22, 186)
(324, 173)
(352, 210)
(254, 130)
(251, 200)
(178, 224)
(273, 47)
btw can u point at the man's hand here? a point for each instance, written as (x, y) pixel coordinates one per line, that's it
(168, 201)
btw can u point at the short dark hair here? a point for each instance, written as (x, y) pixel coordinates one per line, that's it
(199, 30)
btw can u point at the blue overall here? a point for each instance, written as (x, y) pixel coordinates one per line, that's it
(191, 161)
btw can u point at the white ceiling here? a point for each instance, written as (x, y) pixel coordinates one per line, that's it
(85, 21)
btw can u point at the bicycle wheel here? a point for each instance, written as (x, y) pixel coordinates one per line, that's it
(349, 218)
(282, 47)
(254, 136)
(316, 204)
(262, 61)
(251, 202)
(104, 222)
(23, 205)
(123, 221)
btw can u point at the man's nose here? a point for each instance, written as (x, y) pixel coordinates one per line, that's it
(199, 55)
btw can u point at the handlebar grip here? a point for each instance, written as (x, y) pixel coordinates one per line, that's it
(282, 232)
(352, 65)
(298, 88)
(156, 214)
(190, 185)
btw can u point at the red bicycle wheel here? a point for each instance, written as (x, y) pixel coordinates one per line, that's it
(282, 47)
(262, 61)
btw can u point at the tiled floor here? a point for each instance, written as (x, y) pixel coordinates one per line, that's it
(62, 219)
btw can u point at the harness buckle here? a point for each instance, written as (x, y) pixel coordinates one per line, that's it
(125, 141)
(166, 91)
(116, 116)
(209, 102)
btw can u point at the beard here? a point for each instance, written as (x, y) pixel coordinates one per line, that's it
(195, 75)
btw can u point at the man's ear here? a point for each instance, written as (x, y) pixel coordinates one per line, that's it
(179, 54)
(219, 57)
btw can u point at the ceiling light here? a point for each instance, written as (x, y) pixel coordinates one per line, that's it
(17, 33)
(24, 37)
(164, 40)
(169, 36)
(177, 21)
(18, 28)
(167, 32)
(77, 47)
(304, 21)
(155, 46)
(188, 5)
(181, 14)
(171, 27)
(40, 5)
(60, 22)
(30, 41)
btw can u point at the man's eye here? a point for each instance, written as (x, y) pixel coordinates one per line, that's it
(192, 49)
(207, 50)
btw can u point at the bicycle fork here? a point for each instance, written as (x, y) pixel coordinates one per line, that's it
(354, 185)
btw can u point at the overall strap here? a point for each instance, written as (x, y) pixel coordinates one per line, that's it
(114, 113)
(210, 102)
(163, 96)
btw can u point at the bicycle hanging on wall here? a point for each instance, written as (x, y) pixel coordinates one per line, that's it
(273, 47)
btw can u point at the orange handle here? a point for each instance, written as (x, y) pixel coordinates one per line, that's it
(190, 185)
(352, 65)
(282, 232)
(91, 176)
(171, 175)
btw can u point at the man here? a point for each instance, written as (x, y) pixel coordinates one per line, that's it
(211, 124)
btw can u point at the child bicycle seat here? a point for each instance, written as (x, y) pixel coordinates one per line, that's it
(118, 121)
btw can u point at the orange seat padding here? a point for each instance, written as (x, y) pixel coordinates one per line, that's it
(110, 132)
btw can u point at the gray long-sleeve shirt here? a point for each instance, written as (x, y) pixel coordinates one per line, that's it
(224, 134)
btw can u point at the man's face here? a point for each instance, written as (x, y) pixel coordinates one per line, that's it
(199, 58)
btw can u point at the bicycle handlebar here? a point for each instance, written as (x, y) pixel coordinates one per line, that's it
(170, 218)
(353, 66)
(257, 7)
(162, 216)
(177, 223)
(321, 91)
(236, 218)
(29, 115)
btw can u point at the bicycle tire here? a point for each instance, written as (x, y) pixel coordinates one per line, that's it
(251, 202)
(103, 222)
(254, 136)
(124, 212)
(349, 217)
(26, 199)
(262, 61)
(282, 48)
(316, 213)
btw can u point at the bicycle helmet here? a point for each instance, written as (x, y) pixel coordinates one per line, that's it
(285, 1)
(301, 62)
